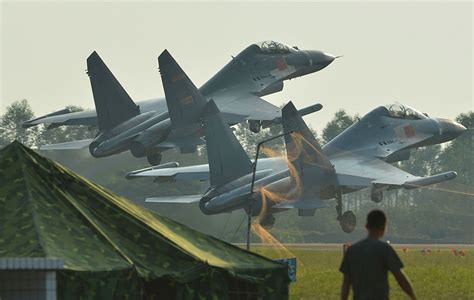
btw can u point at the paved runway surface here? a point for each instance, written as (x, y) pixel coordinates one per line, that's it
(330, 246)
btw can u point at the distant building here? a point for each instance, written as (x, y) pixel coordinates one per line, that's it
(29, 278)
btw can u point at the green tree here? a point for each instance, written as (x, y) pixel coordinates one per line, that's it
(10, 124)
(459, 154)
(249, 140)
(3, 140)
(338, 124)
(66, 133)
(423, 161)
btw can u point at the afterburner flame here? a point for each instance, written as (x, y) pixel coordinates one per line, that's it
(267, 238)
(297, 149)
(294, 152)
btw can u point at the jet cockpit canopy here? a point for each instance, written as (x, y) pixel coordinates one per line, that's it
(401, 111)
(273, 47)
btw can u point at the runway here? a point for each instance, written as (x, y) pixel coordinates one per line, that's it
(336, 246)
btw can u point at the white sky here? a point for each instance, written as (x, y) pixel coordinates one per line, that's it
(417, 53)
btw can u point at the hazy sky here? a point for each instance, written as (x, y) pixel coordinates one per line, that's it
(416, 53)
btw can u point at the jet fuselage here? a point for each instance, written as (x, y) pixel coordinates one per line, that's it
(387, 135)
(258, 70)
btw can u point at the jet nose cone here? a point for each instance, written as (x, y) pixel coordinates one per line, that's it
(458, 128)
(319, 59)
(451, 129)
(329, 58)
(308, 61)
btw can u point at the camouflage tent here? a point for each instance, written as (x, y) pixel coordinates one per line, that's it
(113, 248)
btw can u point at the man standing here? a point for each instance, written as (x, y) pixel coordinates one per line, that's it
(366, 264)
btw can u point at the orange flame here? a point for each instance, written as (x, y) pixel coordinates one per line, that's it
(293, 192)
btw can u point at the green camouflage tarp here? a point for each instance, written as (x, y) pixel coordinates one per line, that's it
(112, 247)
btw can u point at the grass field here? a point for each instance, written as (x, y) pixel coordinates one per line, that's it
(436, 275)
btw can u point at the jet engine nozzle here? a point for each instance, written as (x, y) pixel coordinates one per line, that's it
(215, 202)
(149, 138)
(93, 149)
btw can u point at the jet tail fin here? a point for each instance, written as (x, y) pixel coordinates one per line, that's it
(301, 146)
(227, 159)
(185, 102)
(112, 103)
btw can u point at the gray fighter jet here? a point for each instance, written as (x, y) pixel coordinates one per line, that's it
(309, 175)
(153, 126)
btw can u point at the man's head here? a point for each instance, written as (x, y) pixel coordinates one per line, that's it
(376, 223)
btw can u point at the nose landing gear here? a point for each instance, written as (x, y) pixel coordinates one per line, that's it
(347, 220)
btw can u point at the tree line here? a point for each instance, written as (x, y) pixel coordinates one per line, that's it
(439, 213)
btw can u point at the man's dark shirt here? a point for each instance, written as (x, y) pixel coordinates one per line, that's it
(367, 263)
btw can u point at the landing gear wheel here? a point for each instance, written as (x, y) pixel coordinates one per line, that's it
(376, 196)
(154, 159)
(268, 221)
(348, 221)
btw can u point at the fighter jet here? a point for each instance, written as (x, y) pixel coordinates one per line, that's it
(310, 175)
(150, 127)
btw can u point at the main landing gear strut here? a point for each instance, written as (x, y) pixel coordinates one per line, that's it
(347, 220)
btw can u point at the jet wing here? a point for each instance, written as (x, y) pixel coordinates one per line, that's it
(188, 199)
(183, 141)
(354, 170)
(65, 117)
(87, 117)
(197, 172)
(301, 204)
(247, 105)
(73, 145)
(172, 171)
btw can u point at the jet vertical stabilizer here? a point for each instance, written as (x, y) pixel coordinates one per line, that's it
(227, 159)
(301, 144)
(112, 103)
(185, 103)
(313, 171)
